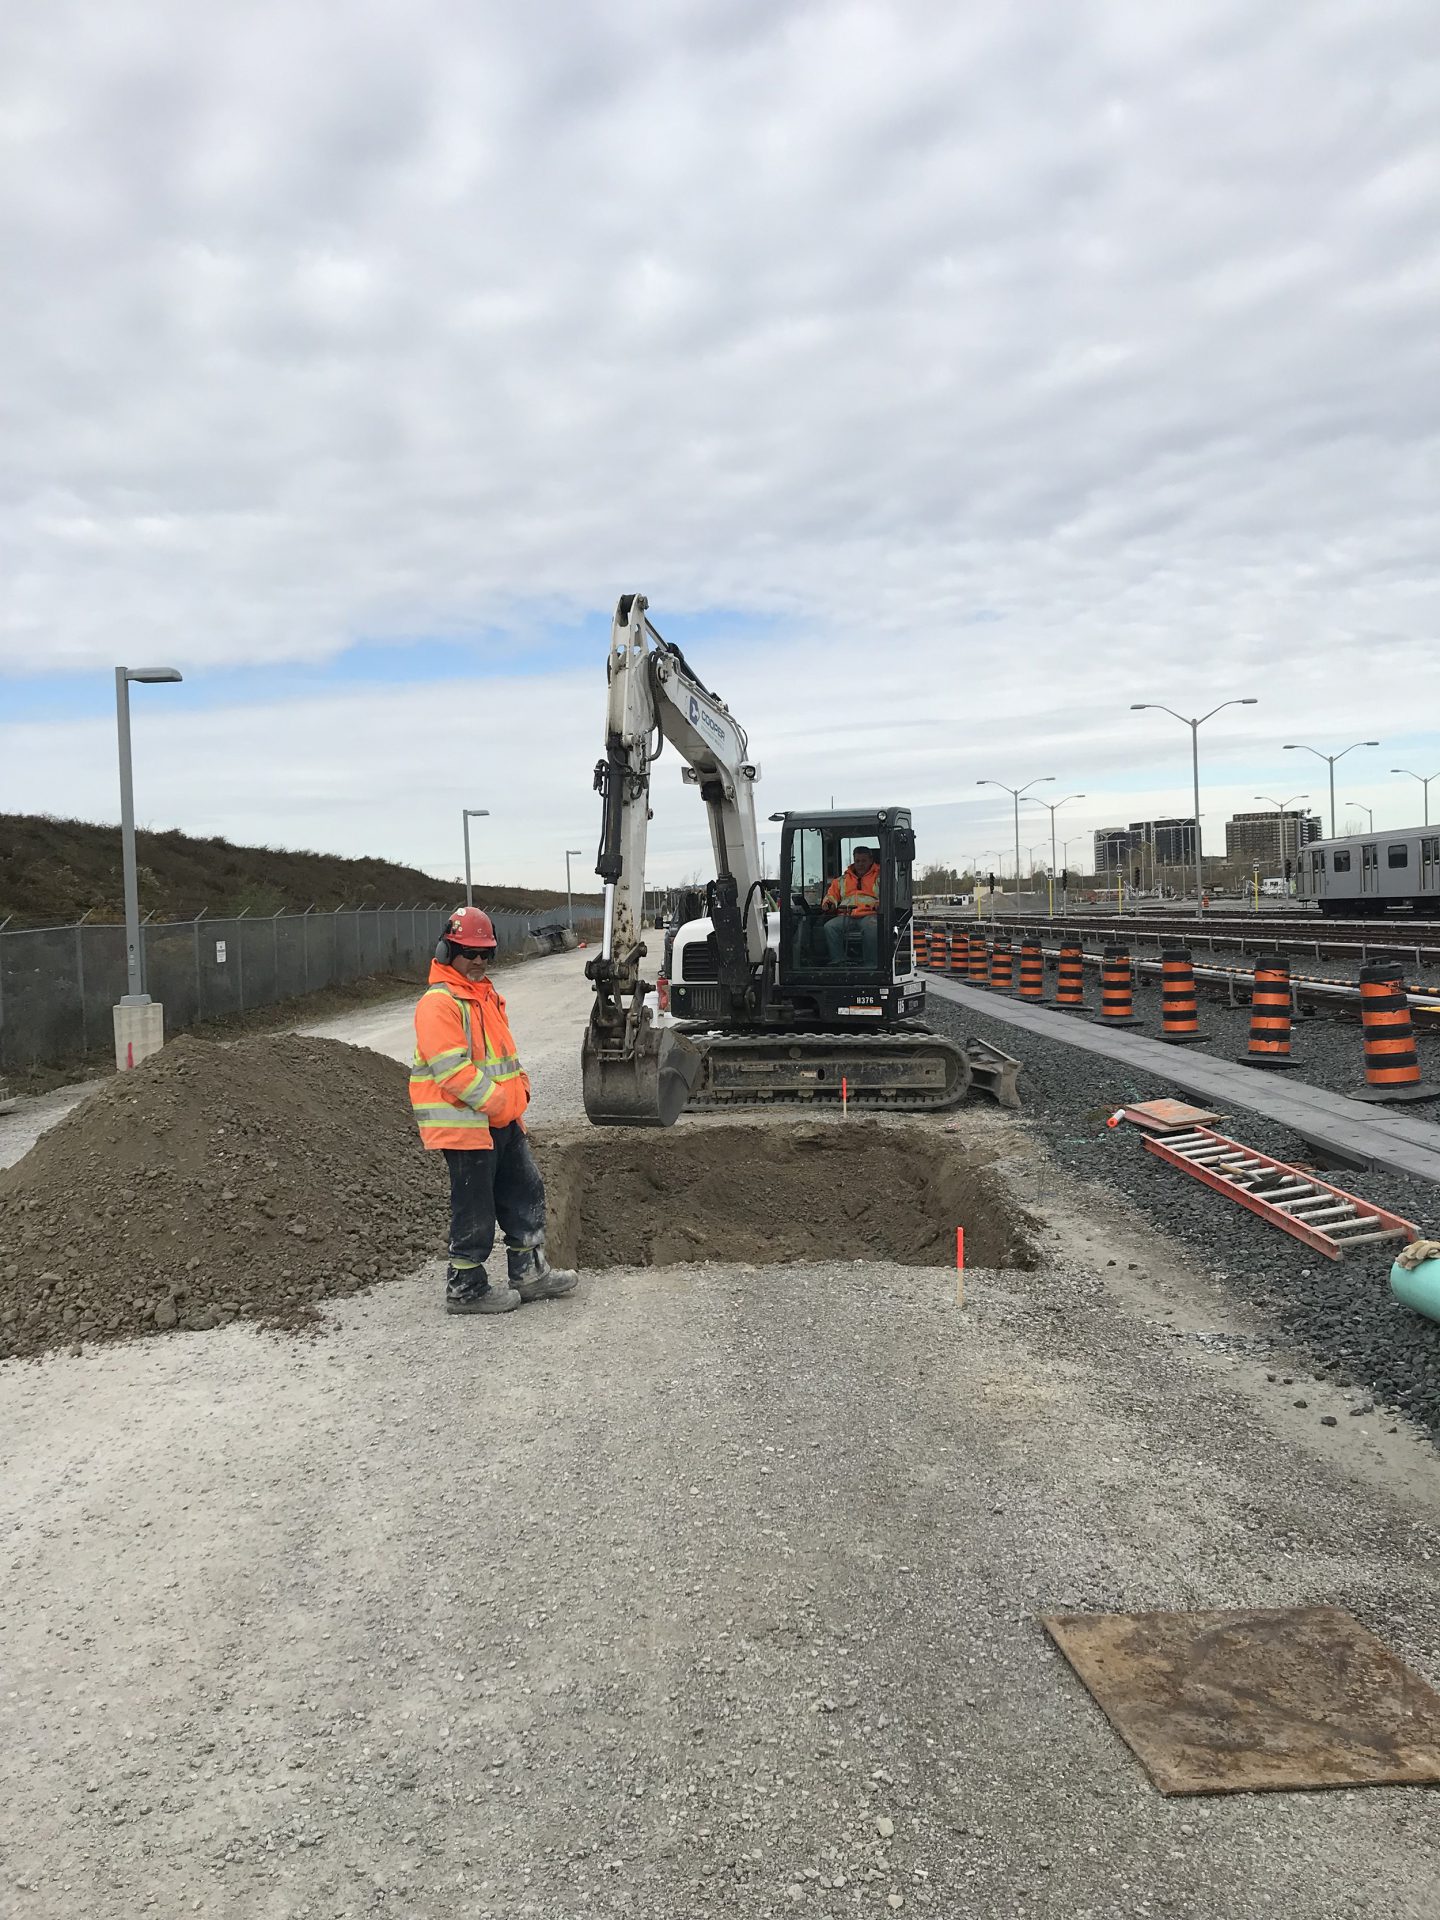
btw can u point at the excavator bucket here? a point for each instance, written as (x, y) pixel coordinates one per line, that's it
(646, 1086)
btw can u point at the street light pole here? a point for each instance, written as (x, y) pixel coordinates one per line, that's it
(1015, 793)
(570, 853)
(466, 815)
(1369, 813)
(1281, 808)
(135, 994)
(1424, 780)
(1143, 706)
(1298, 746)
(1054, 807)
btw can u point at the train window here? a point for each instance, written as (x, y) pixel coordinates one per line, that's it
(1342, 860)
(1397, 854)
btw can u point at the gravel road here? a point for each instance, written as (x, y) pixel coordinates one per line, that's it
(711, 1590)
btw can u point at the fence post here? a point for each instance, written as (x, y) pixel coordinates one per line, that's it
(305, 942)
(80, 983)
(240, 957)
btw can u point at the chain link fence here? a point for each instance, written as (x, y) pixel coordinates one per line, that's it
(59, 984)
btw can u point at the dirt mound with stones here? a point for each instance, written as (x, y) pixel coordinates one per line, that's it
(213, 1183)
(770, 1194)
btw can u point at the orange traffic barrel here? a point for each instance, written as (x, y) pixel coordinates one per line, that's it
(1070, 983)
(1032, 970)
(979, 960)
(1270, 1016)
(1002, 965)
(1117, 990)
(1179, 1016)
(959, 952)
(1392, 1061)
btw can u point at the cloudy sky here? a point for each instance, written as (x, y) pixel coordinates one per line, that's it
(948, 377)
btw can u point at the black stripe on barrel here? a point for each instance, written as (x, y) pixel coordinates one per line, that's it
(1032, 970)
(1392, 1060)
(1269, 1042)
(1179, 1014)
(1117, 1008)
(1070, 982)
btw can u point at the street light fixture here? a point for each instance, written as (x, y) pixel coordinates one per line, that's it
(1369, 812)
(1298, 746)
(1424, 780)
(1282, 807)
(1146, 706)
(1054, 806)
(467, 814)
(1015, 793)
(571, 853)
(135, 995)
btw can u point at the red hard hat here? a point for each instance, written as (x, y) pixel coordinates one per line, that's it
(469, 927)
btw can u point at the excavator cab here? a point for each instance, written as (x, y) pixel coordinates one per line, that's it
(845, 914)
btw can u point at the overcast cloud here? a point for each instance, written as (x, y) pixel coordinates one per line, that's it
(987, 369)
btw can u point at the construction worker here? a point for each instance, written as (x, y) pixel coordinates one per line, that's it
(469, 1095)
(853, 900)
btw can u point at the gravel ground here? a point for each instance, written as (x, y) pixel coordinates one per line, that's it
(716, 1593)
(1341, 1314)
(1328, 1049)
(711, 1590)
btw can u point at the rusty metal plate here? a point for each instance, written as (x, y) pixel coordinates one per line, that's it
(1256, 1699)
(1167, 1116)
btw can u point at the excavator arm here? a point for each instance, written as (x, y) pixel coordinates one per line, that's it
(636, 1074)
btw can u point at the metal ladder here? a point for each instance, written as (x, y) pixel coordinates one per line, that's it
(1324, 1217)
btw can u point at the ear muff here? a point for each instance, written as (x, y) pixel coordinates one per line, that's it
(442, 951)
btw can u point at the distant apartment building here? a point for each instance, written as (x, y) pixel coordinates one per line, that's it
(1112, 849)
(1170, 843)
(1146, 846)
(1267, 840)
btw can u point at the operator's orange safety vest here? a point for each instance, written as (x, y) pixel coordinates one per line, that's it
(465, 1077)
(851, 894)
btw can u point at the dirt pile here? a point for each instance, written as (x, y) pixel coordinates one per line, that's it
(766, 1194)
(216, 1182)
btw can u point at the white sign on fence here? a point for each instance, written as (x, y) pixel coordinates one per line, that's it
(220, 951)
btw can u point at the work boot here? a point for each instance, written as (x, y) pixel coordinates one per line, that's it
(533, 1277)
(467, 1290)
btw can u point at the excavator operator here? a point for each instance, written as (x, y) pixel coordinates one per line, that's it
(853, 901)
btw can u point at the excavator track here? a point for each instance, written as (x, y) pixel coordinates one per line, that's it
(896, 1072)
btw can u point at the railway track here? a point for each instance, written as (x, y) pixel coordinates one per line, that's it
(1307, 991)
(1358, 942)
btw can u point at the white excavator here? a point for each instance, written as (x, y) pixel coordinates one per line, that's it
(810, 1004)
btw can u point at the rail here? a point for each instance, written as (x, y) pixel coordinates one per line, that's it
(1212, 935)
(1307, 987)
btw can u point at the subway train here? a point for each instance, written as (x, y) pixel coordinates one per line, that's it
(1367, 873)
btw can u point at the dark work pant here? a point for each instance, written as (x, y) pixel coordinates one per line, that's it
(503, 1186)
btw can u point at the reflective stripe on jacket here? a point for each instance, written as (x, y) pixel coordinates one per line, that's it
(854, 895)
(465, 1076)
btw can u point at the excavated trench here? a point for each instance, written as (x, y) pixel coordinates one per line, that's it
(772, 1195)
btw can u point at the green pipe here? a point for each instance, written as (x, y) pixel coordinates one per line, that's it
(1418, 1287)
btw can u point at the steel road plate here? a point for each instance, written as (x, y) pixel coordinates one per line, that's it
(1256, 1699)
(1167, 1116)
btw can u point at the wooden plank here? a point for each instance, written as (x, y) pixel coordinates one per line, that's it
(1380, 1135)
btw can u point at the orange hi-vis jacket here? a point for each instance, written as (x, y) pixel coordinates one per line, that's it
(854, 895)
(465, 1077)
